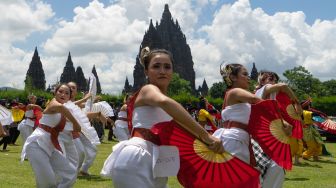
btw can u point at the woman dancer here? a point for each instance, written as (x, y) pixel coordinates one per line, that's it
(268, 87)
(205, 118)
(236, 112)
(132, 161)
(42, 147)
(86, 150)
(26, 127)
(121, 126)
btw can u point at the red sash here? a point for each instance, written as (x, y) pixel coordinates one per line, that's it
(231, 124)
(54, 132)
(130, 108)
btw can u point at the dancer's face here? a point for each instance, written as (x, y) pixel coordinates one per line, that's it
(32, 100)
(73, 87)
(242, 80)
(63, 94)
(160, 70)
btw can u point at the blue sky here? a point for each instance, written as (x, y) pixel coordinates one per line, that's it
(276, 35)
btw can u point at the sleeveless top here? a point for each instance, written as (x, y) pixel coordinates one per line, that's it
(147, 116)
(50, 120)
(29, 114)
(260, 92)
(238, 112)
(121, 123)
(42, 137)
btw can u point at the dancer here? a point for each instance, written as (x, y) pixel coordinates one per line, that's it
(311, 136)
(236, 112)
(27, 126)
(272, 174)
(86, 150)
(205, 118)
(131, 162)
(121, 126)
(42, 147)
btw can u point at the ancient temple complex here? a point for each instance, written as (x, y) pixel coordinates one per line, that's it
(167, 35)
(35, 77)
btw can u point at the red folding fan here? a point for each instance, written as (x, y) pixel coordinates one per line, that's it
(266, 127)
(201, 167)
(290, 115)
(328, 125)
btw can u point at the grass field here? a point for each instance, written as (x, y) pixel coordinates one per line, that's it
(14, 174)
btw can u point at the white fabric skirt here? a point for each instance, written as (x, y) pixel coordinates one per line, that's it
(131, 165)
(237, 146)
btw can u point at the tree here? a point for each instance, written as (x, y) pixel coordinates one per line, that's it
(303, 83)
(329, 87)
(178, 86)
(29, 84)
(217, 90)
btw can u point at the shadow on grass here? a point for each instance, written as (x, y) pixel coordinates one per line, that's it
(296, 179)
(93, 178)
(327, 162)
(305, 164)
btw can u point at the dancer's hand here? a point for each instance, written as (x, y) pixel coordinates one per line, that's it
(287, 128)
(215, 145)
(298, 109)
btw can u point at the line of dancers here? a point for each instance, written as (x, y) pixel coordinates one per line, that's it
(59, 146)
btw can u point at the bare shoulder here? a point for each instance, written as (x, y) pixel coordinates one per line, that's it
(149, 88)
(123, 108)
(236, 91)
(53, 107)
(150, 95)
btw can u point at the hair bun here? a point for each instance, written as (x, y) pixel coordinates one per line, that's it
(144, 54)
(226, 71)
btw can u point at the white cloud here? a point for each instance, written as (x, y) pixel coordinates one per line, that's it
(114, 32)
(109, 37)
(276, 42)
(19, 20)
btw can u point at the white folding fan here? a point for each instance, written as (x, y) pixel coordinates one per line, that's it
(5, 116)
(104, 108)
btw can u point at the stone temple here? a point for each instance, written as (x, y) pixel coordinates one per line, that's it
(167, 35)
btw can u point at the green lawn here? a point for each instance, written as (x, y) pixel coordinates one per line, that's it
(14, 174)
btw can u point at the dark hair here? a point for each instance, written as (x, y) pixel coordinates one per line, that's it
(59, 85)
(202, 103)
(264, 74)
(228, 70)
(147, 54)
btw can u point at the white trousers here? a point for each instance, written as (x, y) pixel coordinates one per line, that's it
(68, 147)
(90, 153)
(238, 149)
(80, 152)
(274, 176)
(132, 165)
(121, 133)
(46, 168)
(25, 131)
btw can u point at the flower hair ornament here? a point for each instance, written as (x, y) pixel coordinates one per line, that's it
(144, 54)
(226, 72)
